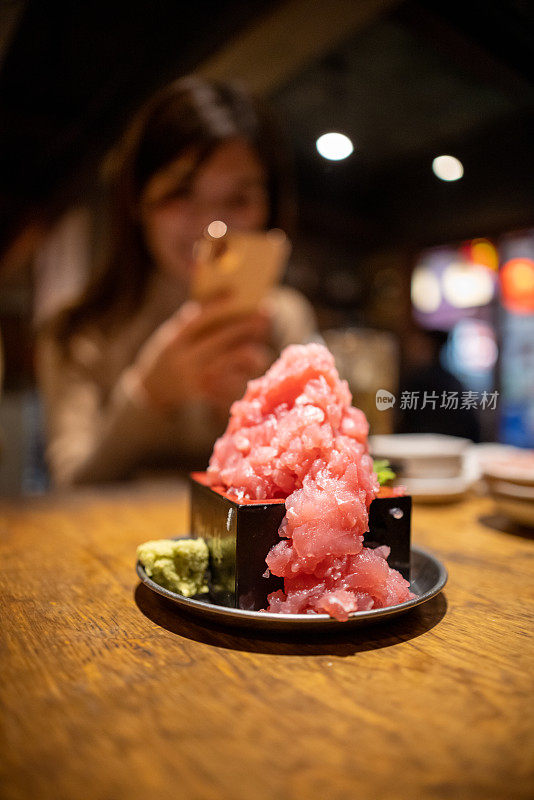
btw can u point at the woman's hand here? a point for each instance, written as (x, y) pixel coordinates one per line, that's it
(203, 352)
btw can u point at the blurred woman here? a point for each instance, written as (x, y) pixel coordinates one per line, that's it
(135, 374)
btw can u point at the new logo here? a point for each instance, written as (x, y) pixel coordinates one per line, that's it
(384, 399)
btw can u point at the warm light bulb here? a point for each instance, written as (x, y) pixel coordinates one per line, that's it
(447, 168)
(334, 146)
(217, 229)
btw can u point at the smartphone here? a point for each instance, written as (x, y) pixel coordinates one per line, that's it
(241, 266)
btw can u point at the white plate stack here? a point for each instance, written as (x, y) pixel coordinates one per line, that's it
(510, 482)
(432, 467)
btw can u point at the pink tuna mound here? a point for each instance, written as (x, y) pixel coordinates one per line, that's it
(295, 436)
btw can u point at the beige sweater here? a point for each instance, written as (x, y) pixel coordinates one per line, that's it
(98, 429)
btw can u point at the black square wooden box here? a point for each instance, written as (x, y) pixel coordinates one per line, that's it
(239, 536)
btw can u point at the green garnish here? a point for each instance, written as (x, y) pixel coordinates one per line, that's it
(383, 471)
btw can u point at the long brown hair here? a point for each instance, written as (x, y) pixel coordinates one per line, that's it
(191, 115)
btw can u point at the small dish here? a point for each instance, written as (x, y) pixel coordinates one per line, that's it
(437, 490)
(421, 455)
(428, 577)
(510, 482)
(517, 468)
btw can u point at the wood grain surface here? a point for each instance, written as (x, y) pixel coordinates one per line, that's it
(108, 693)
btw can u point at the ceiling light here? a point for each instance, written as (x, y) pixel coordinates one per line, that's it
(334, 146)
(447, 168)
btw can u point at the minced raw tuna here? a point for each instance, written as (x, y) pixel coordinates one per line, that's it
(296, 436)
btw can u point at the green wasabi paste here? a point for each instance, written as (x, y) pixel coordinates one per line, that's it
(179, 565)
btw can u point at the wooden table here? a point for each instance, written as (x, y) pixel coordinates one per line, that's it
(107, 693)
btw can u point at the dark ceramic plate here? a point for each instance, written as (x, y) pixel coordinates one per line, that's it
(428, 577)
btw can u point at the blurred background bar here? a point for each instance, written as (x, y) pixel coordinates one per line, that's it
(416, 249)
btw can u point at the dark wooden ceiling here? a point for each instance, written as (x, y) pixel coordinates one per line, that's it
(424, 77)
